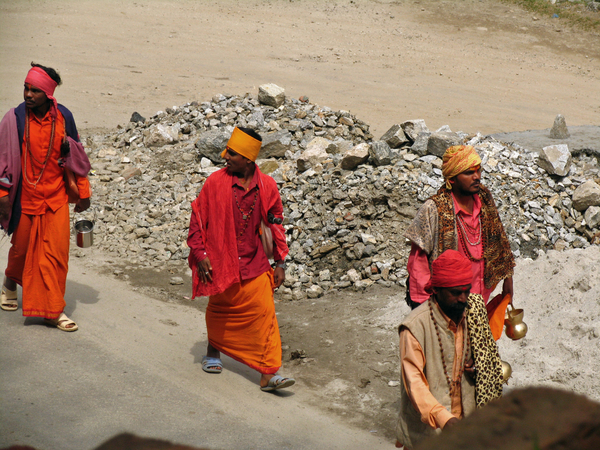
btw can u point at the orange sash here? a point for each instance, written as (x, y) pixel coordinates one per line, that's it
(241, 323)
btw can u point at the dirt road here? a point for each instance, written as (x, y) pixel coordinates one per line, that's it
(474, 65)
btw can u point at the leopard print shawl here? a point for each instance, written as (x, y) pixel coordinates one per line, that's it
(488, 381)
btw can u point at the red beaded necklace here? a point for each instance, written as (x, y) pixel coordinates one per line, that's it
(245, 215)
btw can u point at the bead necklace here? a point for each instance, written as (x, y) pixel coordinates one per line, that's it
(474, 230)
(28, 152)
(452, 384)
(466, 249)
(245, 215)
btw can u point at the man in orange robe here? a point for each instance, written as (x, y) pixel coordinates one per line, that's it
(230, 266)
(38, 143)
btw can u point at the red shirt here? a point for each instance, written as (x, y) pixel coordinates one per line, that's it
(252, 258)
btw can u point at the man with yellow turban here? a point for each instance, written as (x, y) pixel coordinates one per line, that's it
(229, 263)
(461, 216)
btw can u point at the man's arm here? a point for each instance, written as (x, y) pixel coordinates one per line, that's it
(418, 271)
(412, 361)
(507, 288)
(195, 242)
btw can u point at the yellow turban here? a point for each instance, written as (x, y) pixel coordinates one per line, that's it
(458, 159)
(243, 144)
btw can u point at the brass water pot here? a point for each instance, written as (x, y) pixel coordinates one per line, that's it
(515, 328)
(506, 371)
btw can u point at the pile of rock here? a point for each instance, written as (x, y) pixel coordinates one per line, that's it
(347, 197)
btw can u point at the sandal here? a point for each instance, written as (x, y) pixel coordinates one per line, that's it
(62, 322)
(8, 299)
(212, 365)
(278, 382)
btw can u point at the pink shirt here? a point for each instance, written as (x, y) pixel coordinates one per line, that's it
(418, 262)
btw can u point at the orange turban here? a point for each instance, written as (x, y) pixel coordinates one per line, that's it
(243, 144)
(458, 159)
(449, 270)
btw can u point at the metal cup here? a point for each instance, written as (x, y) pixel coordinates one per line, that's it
(84, 231)
(515, 328)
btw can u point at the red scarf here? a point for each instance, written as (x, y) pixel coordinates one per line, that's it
(214, 211)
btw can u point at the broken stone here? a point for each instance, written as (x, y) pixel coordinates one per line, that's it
(555, 159)
(559, 128)
(271, 95)
(586, 195)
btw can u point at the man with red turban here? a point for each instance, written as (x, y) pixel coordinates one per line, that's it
(39, 150)
(229, 263)
(448, 356)
(461, 216)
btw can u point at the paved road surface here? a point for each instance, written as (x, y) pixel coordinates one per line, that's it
(134, 365)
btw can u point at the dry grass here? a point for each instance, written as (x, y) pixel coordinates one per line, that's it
(577, 14)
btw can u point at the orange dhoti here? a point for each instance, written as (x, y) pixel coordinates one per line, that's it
(39, 261)
(241, 323)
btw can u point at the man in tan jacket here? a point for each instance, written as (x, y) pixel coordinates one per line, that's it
(449, 359)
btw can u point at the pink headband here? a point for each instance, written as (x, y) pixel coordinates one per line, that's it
(40, 79)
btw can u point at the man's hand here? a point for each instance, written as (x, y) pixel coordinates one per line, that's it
(451, 423)
(82, 204)
(507, 288)
(470, 368)
(205, 271)
(278, 276)
(5, 207)
(65, 147)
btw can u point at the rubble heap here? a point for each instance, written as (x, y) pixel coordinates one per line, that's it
(347, 197)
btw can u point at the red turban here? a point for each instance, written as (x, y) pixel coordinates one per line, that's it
(449, 270)
(38, 78)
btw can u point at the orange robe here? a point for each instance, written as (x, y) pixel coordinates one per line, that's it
(38, 258)
(242, 324)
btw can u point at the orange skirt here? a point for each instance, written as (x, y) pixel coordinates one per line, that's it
(241, 323)
(38, 260)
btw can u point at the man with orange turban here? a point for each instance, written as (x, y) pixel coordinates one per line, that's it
(448, 357)
(39, 149)
(461, 216)
(229, 263)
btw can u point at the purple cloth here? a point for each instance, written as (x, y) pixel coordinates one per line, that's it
(10, 162)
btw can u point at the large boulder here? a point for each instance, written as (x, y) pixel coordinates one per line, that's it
(412, 128)
(395, 137)
(271, 95)
(381, 154)
(555, 159)
(421, 143)
(211, 144)
(586, 195)
(160, 134)
(275, 144)
(315, 153)
(359, 154)
(559, 128)
(439, 141)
